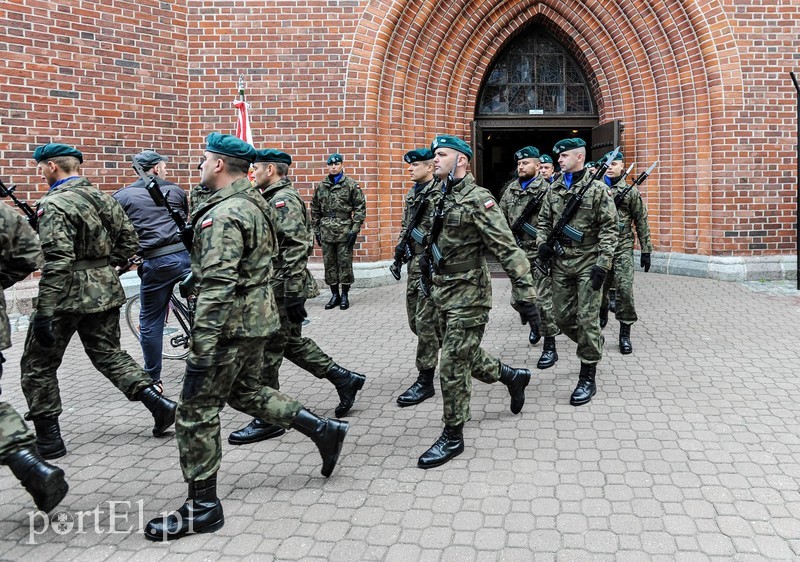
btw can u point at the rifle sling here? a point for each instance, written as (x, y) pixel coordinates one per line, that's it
(96, 208)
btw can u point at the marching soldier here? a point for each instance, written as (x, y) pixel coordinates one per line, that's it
(20, 255)
(84, 234)
(470, 223)
(292, 284)
(579, 273)
(423, 319)
(525, 191)
(234, 245)
(632, 212)
(338, 210)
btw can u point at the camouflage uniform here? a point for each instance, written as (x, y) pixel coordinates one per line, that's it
(197, 196)
(234, 245)
(20, 255)
(337, 210)
(632, 211)
(462, 290)
(576, 305)
(513, 202)
(84, 234)
(423, 319)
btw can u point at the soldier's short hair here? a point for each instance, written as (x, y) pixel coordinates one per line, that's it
(281, 167)
(66, 163)
(236, 165)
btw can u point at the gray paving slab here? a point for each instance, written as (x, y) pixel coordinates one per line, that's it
(689, 451)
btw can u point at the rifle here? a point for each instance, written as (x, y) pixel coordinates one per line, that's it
(9, 192)
(187, 234)
(521, 225)
(419, 211)
(620, 197)
(628, 171)
(562, 227)
(431, 255)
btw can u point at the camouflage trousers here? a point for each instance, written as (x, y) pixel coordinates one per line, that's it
(577, 305)
(462, 359)
(14, 434)
(289, 342)
(544, 289)
(621, 278)
(338, 260)
(423, 319)
(99, 333)
(236, 380)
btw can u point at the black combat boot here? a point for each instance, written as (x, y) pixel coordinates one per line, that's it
(336, 299)
(163, 409)
(44, 482)
(419, 391)
(202, 513)
(255, 431)
(347, 385)
(603, 316)
(345, 297)
(516, 380)
(449, 445)
(586, 388)
(549, 354)
(534, 336)
(48, 439)
(612, 300)
(625, 347)
(328, 435)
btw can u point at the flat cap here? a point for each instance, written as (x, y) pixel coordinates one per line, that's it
(418, 155)
(527, 152)
(450, 141)
(229, 145)
(335, 158)
(545, 159)
(54, 150)
(272, 155)
(568, 144)
(149, 158)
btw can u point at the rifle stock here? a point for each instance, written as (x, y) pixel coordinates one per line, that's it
(396, 268)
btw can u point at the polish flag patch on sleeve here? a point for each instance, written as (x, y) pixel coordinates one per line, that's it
(206, 223)
(279, 204)
(489, 203)
(39, 212)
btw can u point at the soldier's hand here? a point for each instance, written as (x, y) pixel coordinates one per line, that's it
(43, 330)
(192, 381)
(399, 252)
(546, 253)
(644, 261)
(598, 276)
(529, 314)
(295, 309)
(351, 239)
(317, 238)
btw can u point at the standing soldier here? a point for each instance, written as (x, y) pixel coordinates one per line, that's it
(422, 315)
(338, 210)
(467, 223)
(524, 197)
(19, 256)
(234, 244)
(165, 260)
(579, 273)
(546, 168)
(292, 284)
(632, 211)
(84, 235)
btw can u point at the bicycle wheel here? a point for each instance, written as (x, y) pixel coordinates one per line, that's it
(176, 325)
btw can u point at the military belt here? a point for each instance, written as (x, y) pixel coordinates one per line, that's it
(462, 266)
(163, 251)
(337, 215)
(570, 243)
(82, 265)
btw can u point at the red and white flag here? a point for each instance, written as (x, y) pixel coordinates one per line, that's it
(243, 130)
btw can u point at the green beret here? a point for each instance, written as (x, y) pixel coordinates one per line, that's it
(272, 155)
(619, 156)
(527, 152)
(545, 159)
(450, 141)
(568, 144)
(591, 164)
(335, 158)
(418, 155)
(228, 145)
(54, 150)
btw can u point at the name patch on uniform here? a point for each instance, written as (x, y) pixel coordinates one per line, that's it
(489, 203)
(206, 223)
(279, 204)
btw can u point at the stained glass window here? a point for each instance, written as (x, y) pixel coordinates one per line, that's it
(535, 75)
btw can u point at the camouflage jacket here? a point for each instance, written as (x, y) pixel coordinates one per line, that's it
(427, 195)
(197, 196)
(20, 255)
(232, 254)
(596, 218)
(632, 210)
(291, 277)
(514, 201)
(337, 209)
(74, 232)
(473, 224)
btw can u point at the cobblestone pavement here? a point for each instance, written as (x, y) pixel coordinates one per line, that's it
(690, 449)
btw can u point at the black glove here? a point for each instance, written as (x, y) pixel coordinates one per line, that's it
(317, 238)
(598, 276)
(351, 239)
(295, 309)
(529, 314)
(43, 330)
(399, 252)
(645, 261)
(546, 253)
(192, 381)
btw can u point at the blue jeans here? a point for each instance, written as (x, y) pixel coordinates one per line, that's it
(158, 276)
